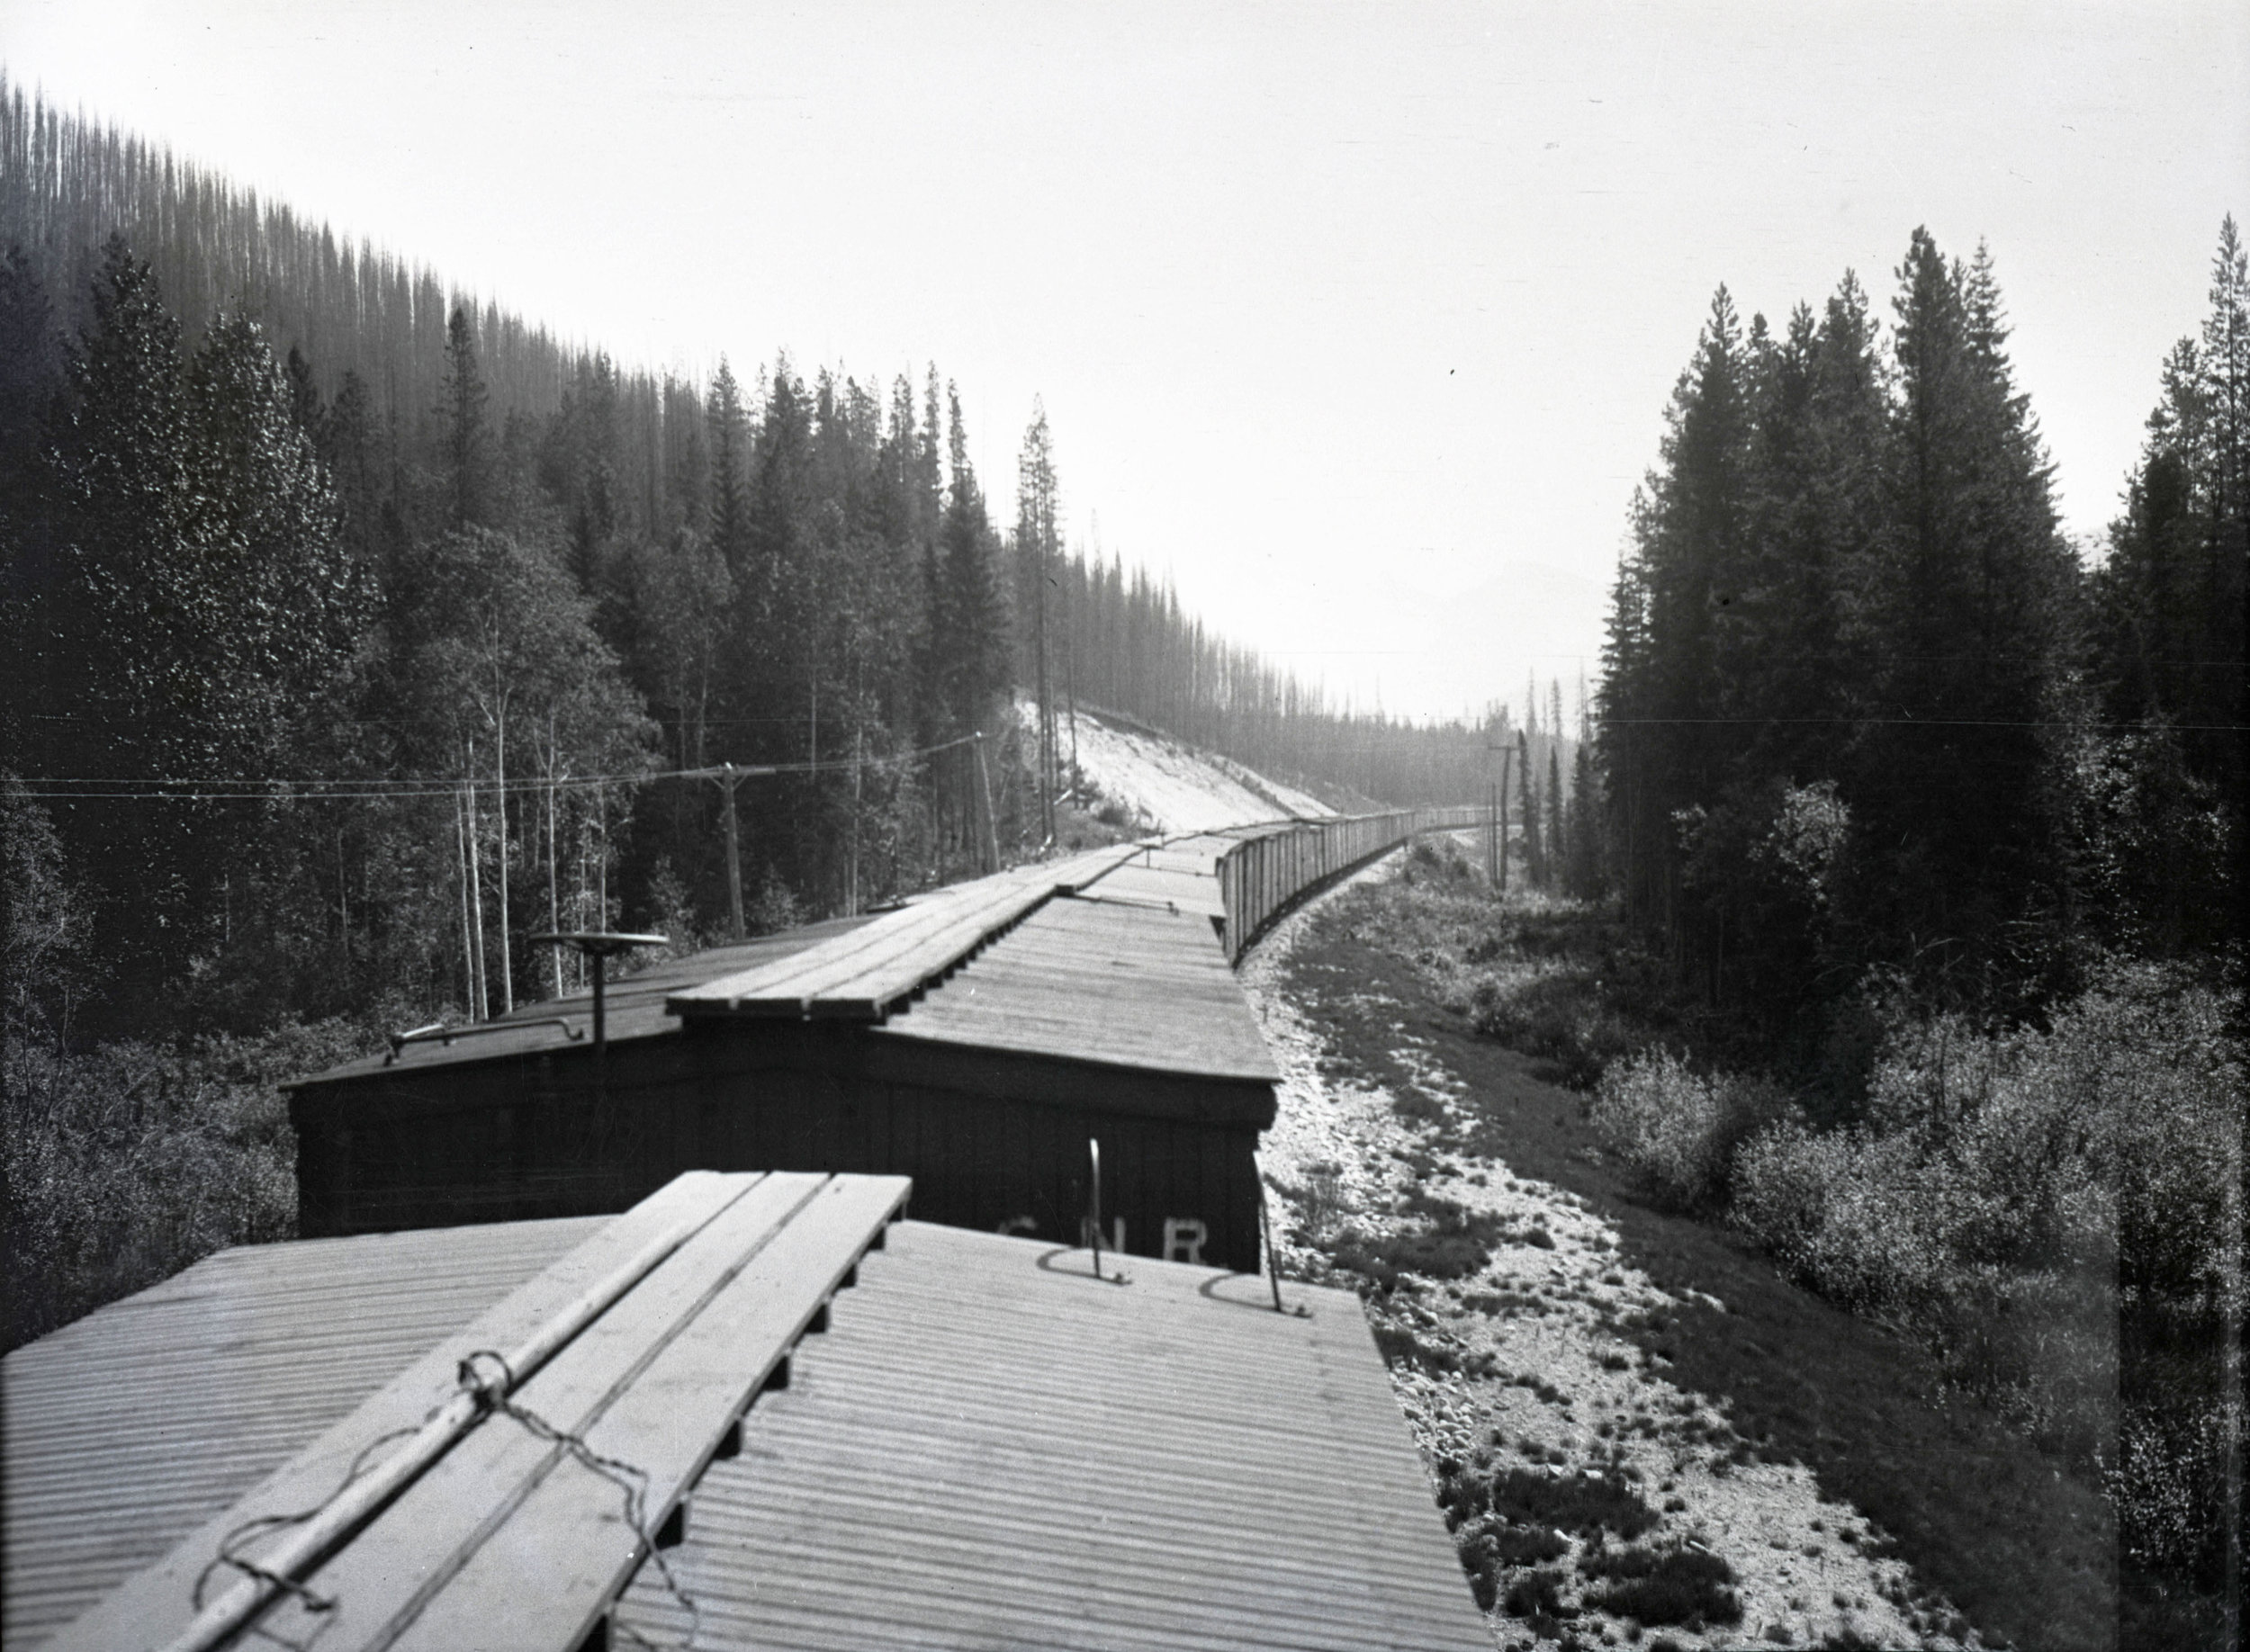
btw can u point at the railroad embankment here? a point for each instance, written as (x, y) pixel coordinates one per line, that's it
(1642, 1432)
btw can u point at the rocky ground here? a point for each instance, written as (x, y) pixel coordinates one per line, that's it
(1597, 1500)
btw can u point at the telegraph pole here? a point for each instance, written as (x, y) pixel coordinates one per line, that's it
(1498, 835)
(728, 780)
(729, 775)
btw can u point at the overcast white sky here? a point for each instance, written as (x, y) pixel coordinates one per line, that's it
(1359, 320)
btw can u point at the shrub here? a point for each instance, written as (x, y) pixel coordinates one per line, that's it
(1538, 1594)
(1677, 1131)
(1849, 1212)
(1584, 1503)
(2107, 1137)
(1547, 1011)
(2169, 1487)
(1488, 1547)
(2047, 1209)
(125, 1164)
(1672, 1585)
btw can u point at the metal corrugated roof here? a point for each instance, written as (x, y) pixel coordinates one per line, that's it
(992, 1449)
(988, 1447)
(127, 1429)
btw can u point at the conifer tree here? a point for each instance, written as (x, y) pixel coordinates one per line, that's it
(1557, 850)
(971, 634)
(1037, 555)
(2169, 639)
(729, 519)
(462, 413)
(1582, 864)
(1972, 588)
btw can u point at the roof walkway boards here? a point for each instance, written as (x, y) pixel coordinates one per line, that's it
(988, 1447)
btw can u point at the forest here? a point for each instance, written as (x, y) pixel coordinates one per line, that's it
(1929, 831)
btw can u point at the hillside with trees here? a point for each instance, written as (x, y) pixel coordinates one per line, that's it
(357, 629)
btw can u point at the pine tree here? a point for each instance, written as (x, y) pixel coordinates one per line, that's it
(2169, 640)
(462, 418)
(27, 365)
(1802, 666)
(1037, 555)
(729, 524)
(972, 630)
(1556, 856)
(279, 605)
(1582, 865)
(1671, 646)
(118, 449)
(1627, 742)
(1969, 617)
(29, 383)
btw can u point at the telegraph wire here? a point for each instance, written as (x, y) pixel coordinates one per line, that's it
(289, 790)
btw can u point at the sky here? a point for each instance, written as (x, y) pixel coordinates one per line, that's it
(1358, 321)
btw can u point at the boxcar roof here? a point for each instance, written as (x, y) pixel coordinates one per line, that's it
(1181, 874)
(126, 1430)
(1113, 982)
(989, 1446)
(633, 1008)
(1108, 956)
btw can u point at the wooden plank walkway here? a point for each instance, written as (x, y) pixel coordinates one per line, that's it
(656, 1381)
(864, 975)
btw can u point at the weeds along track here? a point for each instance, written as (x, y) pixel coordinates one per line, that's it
(1590, 1496)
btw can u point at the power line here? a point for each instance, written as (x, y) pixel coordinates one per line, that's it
(292, 789)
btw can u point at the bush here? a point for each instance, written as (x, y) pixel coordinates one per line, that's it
(1538, 1594)
(127, 1162)
(1676, 1131)
(1587, 1503)
(2105, 1141)
(1674, 1584)
(1847, 1211)
(2048, 1210)
(1548, 1013)
(2169, 1487)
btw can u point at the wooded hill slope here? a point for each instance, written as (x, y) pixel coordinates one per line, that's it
(348, 619)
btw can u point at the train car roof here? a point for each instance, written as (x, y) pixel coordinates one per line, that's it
(980, 1442)
(1108, 957)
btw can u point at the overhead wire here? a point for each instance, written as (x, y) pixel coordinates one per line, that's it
(292, 788)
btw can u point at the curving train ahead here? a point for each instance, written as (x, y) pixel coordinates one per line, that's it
(975, 1038)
